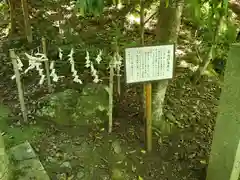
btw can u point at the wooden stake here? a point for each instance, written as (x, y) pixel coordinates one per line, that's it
(19, 85)
(147, 90)
(110, 97)
(46, 65)
(118, 72)
(118, 82)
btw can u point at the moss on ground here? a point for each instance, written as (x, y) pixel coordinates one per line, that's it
(16, 134)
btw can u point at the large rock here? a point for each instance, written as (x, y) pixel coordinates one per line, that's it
(73, 108)
(4, 162)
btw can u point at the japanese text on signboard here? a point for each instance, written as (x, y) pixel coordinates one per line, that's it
(149, 63)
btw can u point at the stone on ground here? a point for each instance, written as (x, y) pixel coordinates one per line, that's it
(22, 152)
(26, 163)
(4, 162)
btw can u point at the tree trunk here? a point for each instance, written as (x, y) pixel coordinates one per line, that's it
(168, 25)
(234, 5)
(16, 18)
(27, 24)
(211, 55)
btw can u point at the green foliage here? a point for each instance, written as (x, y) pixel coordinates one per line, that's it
(72, 108)
(215, 27)
(59, 106)
(94, 7)
(4, 15)
(92, 105)
(16, 135)
(225, 6)
(3, 7)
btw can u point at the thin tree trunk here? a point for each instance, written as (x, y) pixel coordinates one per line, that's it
(211, 55)
(16, 18)
(168, 26)
(27, 24)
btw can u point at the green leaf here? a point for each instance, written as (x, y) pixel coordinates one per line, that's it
(167, 3)
(90, 6)
(81, 5)
(225, 6)
(197, 11)
(195, 6)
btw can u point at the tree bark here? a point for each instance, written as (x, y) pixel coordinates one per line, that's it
(16, 18)
(211, 55)
(234, 5)
(167, 29)
(28, 29)
(169, 21)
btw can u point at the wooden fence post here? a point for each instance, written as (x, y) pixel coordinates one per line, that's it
(118, 68)
(110, 112)
(44, 46)
(19, 84)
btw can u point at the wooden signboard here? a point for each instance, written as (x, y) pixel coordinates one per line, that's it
(147, 64)
(150, 63)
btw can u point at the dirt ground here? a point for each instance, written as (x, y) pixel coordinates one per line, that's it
(81, 153)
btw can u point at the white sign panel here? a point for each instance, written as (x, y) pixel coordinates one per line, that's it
(149, 63)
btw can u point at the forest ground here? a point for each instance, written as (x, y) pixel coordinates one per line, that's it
(182, 155)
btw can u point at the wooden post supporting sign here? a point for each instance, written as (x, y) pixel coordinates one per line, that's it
(146, 64)
(147, 90)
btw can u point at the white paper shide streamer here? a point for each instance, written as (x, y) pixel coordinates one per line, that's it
(53, 72)
(35, 62)
(117, 61)
(99, 57)
(60, 55)
(89, 64)
(73, 70)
